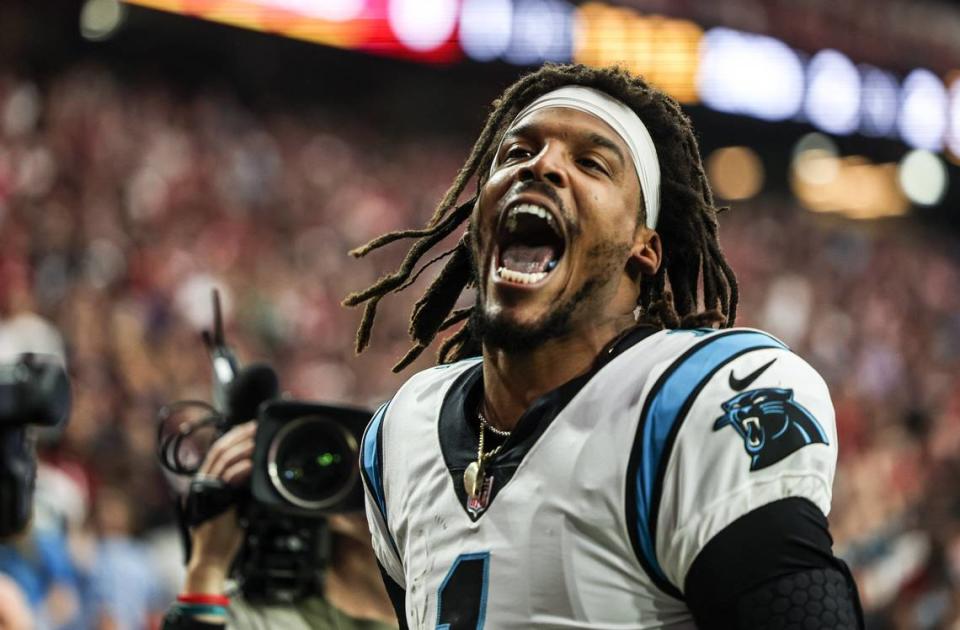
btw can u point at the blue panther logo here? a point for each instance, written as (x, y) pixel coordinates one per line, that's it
(771, 423)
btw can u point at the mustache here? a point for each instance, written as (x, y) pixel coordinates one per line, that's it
(539, 187)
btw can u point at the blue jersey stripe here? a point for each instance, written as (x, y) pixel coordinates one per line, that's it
(667, 403)
(370, 458)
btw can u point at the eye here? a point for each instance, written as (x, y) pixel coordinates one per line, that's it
(592, 164)
(759, 399)
(517, 153)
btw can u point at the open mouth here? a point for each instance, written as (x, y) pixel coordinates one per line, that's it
(530, 244)
(751, 428)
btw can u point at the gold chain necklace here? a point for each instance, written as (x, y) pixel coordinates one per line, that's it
(493, 429)
(473, 476)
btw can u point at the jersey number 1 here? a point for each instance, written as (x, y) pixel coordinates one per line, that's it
(462, 597)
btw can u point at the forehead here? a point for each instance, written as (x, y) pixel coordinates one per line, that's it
(566, 122)
(574, 125)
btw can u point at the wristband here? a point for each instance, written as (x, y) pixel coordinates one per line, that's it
(202, 609)
(203, 598)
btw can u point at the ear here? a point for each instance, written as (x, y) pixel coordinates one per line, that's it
(646, 254)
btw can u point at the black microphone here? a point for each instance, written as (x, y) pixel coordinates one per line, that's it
(253, 385)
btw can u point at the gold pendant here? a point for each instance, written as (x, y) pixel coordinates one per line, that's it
(473, 479)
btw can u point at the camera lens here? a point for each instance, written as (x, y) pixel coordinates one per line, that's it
(312, 462)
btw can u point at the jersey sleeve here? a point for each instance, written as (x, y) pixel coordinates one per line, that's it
(789, 578)
(371, 470)
(737, 422)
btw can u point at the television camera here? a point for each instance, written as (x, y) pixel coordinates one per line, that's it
(34, 392)
(305, 467)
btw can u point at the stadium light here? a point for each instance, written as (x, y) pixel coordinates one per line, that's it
(735, 173)
(676, 58)
(923, 111)
(602, 35)
(100, 19)
(485, 27)
(665, 51)
(880, 100)
(754, 75)
(953, 119)
(858, 189)
(815, 160)
(922, 177)
(422, 25)
(833, 92)
(542, 31)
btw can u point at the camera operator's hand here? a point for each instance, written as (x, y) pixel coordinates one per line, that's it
(217, 541)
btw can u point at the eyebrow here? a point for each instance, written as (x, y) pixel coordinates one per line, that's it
(607, 143)
(596, 139)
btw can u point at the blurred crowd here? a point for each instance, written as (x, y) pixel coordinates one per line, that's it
(122, 205)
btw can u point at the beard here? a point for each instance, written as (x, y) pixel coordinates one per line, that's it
(502, 333)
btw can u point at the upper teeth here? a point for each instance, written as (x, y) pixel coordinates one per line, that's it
(520, 276)
(528, 208)
(755, 423)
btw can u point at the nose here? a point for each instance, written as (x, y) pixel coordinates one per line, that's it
(545, 166)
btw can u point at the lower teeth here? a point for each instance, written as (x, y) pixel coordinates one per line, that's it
(521, 277)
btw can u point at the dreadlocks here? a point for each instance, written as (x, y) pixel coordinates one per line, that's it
(692, 259)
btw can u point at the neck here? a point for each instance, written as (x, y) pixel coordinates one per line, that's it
(513, 381)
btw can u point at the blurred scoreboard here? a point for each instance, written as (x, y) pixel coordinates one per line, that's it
(417, 29)
(522, 32)
(723, 69)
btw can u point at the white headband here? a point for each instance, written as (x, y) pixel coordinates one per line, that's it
(622, 120)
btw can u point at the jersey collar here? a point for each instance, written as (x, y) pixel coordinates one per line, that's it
(458, 420)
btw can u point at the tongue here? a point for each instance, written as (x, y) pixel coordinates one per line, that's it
(526, 258)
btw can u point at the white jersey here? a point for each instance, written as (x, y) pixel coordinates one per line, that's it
(607, 490)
